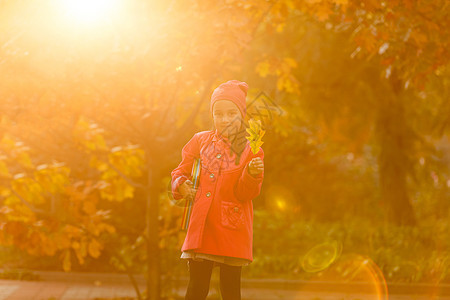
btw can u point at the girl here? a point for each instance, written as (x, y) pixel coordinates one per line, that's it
(220, 231)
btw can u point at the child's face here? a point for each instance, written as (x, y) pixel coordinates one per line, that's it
(227, 117)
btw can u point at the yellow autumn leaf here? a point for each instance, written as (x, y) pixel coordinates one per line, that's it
(256, 134)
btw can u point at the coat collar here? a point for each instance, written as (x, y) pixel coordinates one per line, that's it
(218, 137)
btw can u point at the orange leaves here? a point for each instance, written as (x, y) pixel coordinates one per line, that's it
(323, 11)
(414, 31)
(364, 38)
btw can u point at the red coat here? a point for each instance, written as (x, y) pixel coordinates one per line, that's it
(221, 221)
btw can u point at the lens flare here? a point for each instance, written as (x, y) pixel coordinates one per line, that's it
(321, 256)
(363, 269)
(351, 274)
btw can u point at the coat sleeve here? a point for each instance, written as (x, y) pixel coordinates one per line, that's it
(249, 186)
(183, 172)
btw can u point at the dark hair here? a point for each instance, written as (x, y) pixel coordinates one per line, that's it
(238, 141)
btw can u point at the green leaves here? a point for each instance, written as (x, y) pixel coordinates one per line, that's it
(256, 134)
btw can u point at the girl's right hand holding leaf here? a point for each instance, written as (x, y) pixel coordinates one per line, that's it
(187, 189)
(256, 166)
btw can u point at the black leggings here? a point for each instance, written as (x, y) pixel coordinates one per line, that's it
(200, 276)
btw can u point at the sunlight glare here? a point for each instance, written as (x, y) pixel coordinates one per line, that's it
(90, 11)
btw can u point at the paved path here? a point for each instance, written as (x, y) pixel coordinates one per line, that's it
(82, 286)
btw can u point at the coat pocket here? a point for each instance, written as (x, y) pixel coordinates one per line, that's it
(232, 215)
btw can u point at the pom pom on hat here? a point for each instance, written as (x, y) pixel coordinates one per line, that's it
(233, 90)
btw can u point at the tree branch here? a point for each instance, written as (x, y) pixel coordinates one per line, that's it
(125, 177)
(30, 206)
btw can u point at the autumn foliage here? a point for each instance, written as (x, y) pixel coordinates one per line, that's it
(352, 98)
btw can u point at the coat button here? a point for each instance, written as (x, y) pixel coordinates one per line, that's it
(211, 175)
(236, 209)
(208, 194)
(219, 155)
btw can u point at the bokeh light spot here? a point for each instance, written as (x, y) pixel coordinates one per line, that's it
(281, 203)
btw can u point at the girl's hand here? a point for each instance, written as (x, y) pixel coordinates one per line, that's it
(256, 166)
(187, 189)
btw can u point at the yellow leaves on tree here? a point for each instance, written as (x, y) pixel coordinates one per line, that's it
(53, 177)
(263, 68)
(16, 150)
(30, 222)
(47, 211)
(323, 10)
(89, 135)
(117, 166)
(283, 70)
(94, 248)
(256, 133)
(123, 162)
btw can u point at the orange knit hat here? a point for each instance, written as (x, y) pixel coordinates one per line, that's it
(233, 90)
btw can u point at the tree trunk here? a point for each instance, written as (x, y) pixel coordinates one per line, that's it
(153, 267)
(395, 142)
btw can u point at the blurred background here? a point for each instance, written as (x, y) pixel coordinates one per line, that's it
(97, 98)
